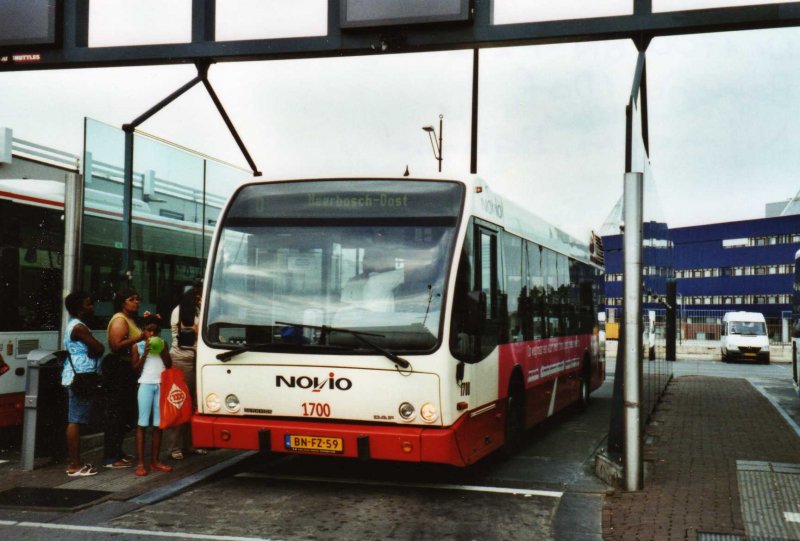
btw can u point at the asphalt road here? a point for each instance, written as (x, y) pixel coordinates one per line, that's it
(547, 491)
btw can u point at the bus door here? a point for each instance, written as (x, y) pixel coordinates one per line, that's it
(478, 311)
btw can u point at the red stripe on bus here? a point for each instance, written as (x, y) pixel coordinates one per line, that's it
(31, 199)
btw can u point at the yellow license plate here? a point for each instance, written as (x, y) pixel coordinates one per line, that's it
(749, 354)
(319, 444)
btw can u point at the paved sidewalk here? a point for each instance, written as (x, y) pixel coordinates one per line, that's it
(711, 441)
(119, 484)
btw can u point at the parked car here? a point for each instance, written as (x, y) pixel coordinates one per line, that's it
(744, 337)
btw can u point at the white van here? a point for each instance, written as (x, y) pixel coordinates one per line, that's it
(744, 336)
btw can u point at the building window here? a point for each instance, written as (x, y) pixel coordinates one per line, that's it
(770, 240)
(735, 243)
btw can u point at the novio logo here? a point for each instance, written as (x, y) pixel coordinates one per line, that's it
(316, 384)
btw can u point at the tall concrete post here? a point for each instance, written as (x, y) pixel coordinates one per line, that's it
(632, 311)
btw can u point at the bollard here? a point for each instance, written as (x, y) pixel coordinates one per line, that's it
(35, 398)
(670, 323)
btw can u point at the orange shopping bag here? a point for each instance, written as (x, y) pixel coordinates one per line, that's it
(174, 403)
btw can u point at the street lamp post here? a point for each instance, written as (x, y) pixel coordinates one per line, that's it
(436, 145)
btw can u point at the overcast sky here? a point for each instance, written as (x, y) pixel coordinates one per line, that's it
(724, 112)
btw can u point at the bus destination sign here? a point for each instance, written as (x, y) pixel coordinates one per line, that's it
(348, 199)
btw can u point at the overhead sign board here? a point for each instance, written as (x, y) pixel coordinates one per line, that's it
(372, 13)
(27, 22)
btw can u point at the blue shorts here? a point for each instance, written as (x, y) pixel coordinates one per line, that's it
(147, 397)
(80, 408)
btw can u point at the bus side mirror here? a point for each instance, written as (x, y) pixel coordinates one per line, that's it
(475, 316)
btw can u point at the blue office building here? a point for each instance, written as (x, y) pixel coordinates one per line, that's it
(746, 265)
(657, 266)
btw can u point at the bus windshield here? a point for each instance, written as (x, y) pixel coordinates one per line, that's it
(359, 256)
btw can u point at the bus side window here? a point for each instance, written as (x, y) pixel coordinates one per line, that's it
(515, 302)
(535, 291)
(552, 303)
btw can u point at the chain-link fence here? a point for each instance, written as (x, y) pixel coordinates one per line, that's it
(693, 326)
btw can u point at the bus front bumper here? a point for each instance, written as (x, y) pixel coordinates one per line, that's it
(367, 442)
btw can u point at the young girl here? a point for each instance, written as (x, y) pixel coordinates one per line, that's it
(152, 358)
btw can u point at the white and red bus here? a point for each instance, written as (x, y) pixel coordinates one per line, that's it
(390, 319)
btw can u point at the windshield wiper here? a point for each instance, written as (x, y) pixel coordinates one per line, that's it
(358, 335)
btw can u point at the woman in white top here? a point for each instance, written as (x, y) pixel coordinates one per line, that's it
(152, 357)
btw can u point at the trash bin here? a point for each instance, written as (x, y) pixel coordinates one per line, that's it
(45, 421)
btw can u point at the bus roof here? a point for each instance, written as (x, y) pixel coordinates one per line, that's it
(516, 219)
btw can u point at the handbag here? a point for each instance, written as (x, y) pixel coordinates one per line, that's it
(186, 337)
(174, 402)
(85, 384)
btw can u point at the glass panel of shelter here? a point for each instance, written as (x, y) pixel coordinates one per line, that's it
(167, 241)
(101, 248)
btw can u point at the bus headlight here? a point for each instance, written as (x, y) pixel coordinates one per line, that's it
(213, 403)
(407, 412)
(232, 403)
(428, 412)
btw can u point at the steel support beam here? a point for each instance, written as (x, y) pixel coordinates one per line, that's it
(642, 25)
(473, 155)
(127, 208)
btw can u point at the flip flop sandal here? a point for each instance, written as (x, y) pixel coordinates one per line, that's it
(121, 463)
(160, 467)
(198, 451)
(141, 471)
(177, 455)
(85, 471)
